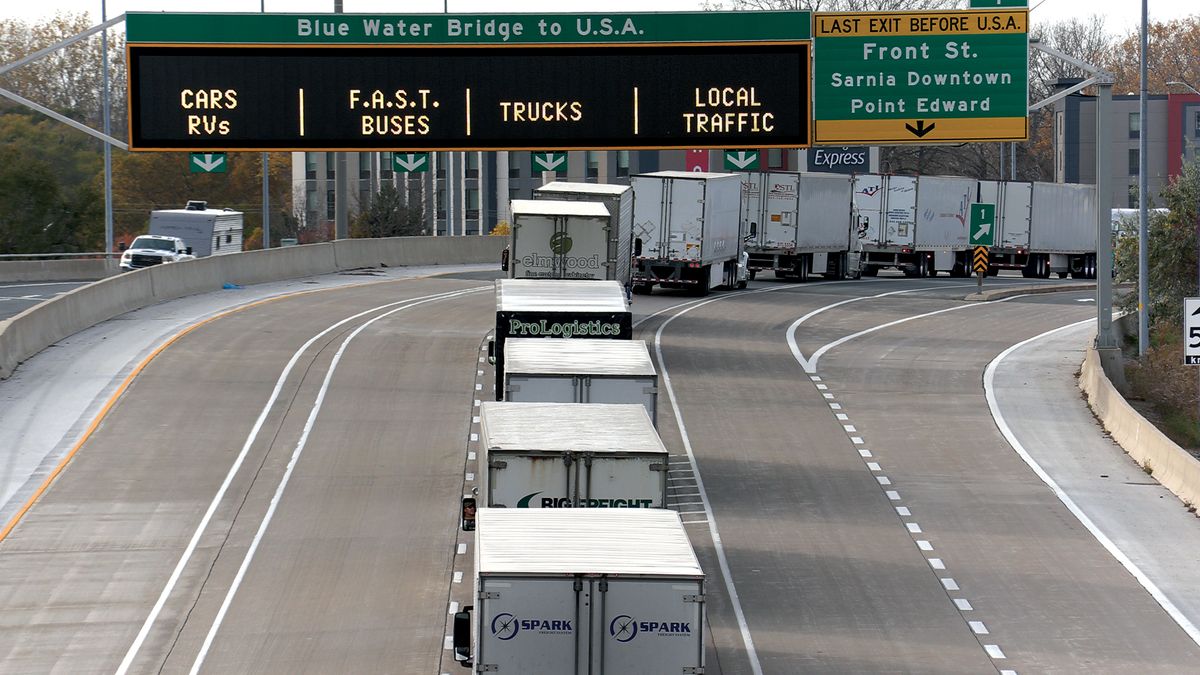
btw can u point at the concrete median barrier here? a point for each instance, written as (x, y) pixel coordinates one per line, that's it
(42, 325)
(1172, 466)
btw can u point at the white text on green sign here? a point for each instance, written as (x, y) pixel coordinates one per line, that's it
(983, 224)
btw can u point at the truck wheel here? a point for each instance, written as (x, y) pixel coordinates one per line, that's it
(702, 288)
(1062, 275)
(741, 285)
(800, 271)
(642, 289)
(870, 271)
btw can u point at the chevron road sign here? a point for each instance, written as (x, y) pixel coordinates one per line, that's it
(411, 162)
(207, 162)
(979, 263)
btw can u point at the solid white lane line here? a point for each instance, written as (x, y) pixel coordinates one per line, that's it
(127, 661)
(989, 388)
(810, 364)
(735, 601)
(963, 605)
(287, 475)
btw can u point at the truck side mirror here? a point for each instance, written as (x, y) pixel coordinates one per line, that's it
(492, 352)
(468, 514)
(122, 247)
(637, 247)
(504, 260)
(462, 637)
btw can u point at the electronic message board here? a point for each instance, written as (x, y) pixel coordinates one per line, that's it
(469, 82)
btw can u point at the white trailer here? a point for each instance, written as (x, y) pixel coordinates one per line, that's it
(1064, 229)
(556, 239)
(585, 591)
(687, 231)
(557, 308)
(619, 200)
(799, 223)
(558, 455)
(943, 222)
(206, 231)
(885, 213)
(580, 371)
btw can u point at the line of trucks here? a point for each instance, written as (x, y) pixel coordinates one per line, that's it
(579, 566)
(700, 231)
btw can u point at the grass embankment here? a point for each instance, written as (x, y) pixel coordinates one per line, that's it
(1165, 390)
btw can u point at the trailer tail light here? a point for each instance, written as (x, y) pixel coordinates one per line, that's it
(906, 250)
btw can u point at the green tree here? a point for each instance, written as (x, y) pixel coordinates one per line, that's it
(386, 215)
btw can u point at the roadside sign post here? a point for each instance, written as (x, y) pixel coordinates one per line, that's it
(980, 264)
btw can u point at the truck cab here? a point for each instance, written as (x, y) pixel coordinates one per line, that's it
(152, 249)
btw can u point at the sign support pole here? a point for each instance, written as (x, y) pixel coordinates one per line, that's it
(341, 212)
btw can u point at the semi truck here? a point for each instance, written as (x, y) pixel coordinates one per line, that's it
(557, 239)
(799, 223)
(687, 231)
(885, 218)
(561, 455)
(557, 308)
(205, 231)
(582, 592)
(580, 371)
(618, 255)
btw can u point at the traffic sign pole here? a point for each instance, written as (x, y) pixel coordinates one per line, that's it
(979, 263)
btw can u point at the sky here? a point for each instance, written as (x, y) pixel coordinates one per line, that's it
(1121, 16)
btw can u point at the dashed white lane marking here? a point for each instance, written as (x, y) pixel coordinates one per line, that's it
(821, 386)
(458, 576)
(903, 511)
(835, 406)
(893, 495)
(842, 417)
(857, 440)
(924, 545)
(864, 453)
(828, 396)
(963, 605)
(448, 642)
(937, 564)
(949, 583)
(978, 628)
(471, 456)
(453, 607)
(913, 528)
(883, 480)
(874, 466)
(481, 359)
(478, 387)
(814, 378)
(1008, 672)
(462, 549)
(995, 652)
(474, 438)
(475, 419)
(478, 373)
(850, 428)
(470, 476)
(476, 403)
(989, 390)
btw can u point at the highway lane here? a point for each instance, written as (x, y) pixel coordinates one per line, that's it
(82, 572)
(838, 572)
(18, 297)
(830, 579)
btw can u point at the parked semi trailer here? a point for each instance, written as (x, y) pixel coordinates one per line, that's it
(562, 455)
(557, 308)
(799, 223)
(582, 591)
(618, 199)
(580, 371)
(687, 231)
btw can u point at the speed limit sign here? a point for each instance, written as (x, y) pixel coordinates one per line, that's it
(1191, 331)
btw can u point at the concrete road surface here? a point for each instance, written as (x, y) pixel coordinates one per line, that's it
(18, 297)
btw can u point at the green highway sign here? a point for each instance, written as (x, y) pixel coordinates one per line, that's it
(208, 162)
(410, 162)
(920, 77)
(548, 161)
(983, 225)
(741, 160)
(467, 29)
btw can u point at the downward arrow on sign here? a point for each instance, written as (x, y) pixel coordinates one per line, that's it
(411, 162)
(741, 161)
(549, 162)
(209, 162)
(920, 130)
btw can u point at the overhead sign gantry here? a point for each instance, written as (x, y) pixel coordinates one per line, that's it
(468, 82)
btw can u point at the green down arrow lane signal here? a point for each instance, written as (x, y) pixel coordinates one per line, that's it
(548, 161)
(411, 162)
(741, 160)
(207, 162)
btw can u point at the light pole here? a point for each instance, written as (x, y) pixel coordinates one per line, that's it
(1143, 226)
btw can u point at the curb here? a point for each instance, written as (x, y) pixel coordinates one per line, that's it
(1001, 293)
(1173, 467)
